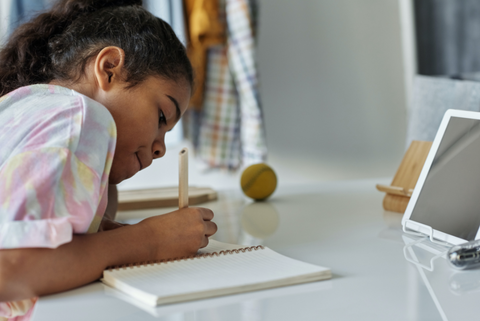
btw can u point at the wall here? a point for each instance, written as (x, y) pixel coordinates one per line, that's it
(333, 85)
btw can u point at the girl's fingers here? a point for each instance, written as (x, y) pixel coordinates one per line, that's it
(204, 242)
(210, 228)
(207, 214)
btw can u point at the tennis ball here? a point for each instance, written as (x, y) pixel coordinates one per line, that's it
(258, 181)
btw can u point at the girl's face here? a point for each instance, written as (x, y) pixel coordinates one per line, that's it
(143, 115)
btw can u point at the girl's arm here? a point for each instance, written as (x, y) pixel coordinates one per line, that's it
(30, 272)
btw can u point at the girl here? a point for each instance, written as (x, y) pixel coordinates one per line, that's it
(89, 89)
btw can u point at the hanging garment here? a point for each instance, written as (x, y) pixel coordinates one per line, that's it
(219, 143)
(205, 29)
(241, 22)
(231, 132)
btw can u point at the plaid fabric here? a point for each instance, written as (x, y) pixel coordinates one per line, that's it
(219, 139)
(231, 132)
(241, 57)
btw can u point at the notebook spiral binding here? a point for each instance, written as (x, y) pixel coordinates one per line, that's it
(191, 257)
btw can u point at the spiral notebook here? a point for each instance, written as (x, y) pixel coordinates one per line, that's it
(219, 269)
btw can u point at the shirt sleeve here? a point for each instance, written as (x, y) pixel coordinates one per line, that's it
(46, 195)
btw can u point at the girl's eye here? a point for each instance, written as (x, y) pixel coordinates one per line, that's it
(162, 120)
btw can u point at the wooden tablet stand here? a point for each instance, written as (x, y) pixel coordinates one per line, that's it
(399, 192)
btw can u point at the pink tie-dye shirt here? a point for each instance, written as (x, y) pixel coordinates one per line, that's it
(56, 151)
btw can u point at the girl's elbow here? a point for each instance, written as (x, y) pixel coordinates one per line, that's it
(12, 285)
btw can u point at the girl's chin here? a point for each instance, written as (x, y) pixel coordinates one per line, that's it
(119, 174)
(113, 179)
(117, 177)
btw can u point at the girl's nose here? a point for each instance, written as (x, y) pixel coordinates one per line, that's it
(158, 148)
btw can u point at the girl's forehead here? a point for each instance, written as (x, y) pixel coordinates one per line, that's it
(166, 83)
(177, 91)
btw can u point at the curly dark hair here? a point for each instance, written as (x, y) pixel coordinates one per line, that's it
(59, 43)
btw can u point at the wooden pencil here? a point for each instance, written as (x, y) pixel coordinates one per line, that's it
(183, 178)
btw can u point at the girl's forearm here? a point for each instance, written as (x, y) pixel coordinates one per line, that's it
(30, 272)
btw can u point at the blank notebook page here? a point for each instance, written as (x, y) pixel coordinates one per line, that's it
(209, 275)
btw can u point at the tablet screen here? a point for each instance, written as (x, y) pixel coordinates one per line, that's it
(450, 197)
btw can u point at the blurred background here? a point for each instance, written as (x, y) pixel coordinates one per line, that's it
(334, 77)
(335, 82)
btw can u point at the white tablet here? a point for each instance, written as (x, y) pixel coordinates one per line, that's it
(445, 203)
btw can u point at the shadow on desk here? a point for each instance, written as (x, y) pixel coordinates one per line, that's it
(220, 301)
(97, 301)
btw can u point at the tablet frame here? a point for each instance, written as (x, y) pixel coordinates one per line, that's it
(409, 225)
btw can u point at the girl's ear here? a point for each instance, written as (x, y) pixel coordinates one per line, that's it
(108, 67)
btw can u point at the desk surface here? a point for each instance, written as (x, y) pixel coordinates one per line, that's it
(340, 225)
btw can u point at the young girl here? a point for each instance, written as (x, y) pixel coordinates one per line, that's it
(89, 89)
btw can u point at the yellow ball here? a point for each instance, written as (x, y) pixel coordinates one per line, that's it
(258, 181)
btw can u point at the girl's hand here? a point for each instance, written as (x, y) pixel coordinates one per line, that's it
(179, 233)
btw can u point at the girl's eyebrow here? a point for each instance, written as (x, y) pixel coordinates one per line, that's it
(175, 102)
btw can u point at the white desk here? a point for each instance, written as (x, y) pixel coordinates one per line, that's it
(340, 225)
